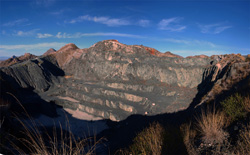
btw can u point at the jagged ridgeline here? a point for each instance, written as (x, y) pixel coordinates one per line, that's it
(113, 80)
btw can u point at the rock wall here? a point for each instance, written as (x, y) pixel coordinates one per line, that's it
(114, 80)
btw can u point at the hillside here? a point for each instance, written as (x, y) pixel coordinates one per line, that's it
(121, 83)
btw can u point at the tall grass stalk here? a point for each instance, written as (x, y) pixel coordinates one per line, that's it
(210, 125)
(35, 139)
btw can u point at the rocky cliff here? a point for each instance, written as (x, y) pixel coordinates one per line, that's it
(114, 80)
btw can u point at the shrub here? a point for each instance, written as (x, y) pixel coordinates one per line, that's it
(210, 125)
(234, 107)
(149, 141)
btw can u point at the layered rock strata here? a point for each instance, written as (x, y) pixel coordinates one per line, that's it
(113, 80)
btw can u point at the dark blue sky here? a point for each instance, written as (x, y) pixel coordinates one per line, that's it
(183, 27)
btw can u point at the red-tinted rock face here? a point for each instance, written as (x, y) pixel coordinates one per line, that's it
(169, 54)
(66, 53)
(198, 56)
(152, 51)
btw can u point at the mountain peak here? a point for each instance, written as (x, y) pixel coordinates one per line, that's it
(67, 47)
(50, 51)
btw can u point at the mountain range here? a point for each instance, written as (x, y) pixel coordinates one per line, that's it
(114, 81)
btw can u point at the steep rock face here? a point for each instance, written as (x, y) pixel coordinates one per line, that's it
(114, 80)
(37, 74)
(110, 60)
(228, 72)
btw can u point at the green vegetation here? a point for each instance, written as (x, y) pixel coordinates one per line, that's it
(234, 107)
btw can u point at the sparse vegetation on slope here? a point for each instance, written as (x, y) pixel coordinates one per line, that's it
(221, 131)
(149, 141)
(211, 126)
(235, 107)
(34, 138)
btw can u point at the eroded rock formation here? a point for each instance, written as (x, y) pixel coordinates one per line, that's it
(113, 80)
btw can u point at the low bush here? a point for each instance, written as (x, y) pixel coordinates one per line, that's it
(207, 134)
(234, 107)
(210, 125)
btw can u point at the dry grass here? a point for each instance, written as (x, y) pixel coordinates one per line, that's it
(243, 144)
(64, 142)
(4, 105)
(34, 138)
(206, 135)
(188, 139)
(210, 125)
(247, 103)
(149, 141)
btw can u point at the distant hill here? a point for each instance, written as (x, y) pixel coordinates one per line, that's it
(14, 59)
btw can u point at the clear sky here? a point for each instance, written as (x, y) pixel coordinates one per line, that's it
(184, 27)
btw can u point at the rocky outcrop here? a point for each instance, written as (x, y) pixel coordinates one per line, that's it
(14, 59)
(113, 80)
(226, 74)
